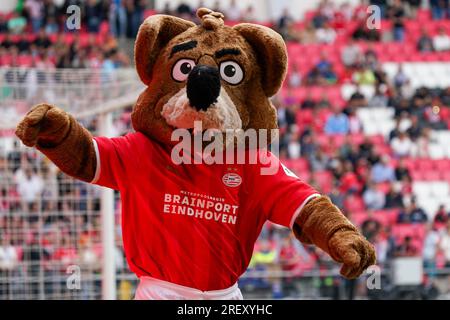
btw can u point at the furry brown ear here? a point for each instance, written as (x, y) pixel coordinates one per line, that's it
(271, 52)
(154, 33)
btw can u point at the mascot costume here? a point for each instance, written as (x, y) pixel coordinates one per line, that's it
(189, 229)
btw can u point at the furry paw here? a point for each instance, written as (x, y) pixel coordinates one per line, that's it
(44, 123)
(352, 250)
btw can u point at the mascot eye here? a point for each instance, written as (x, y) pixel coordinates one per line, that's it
(182, 68)
(231, 72)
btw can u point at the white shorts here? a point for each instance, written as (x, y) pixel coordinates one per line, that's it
(154, 289)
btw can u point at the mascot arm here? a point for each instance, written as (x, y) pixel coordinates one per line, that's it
(61, 138)
(321, 223)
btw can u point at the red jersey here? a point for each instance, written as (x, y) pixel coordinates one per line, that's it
(193, 224)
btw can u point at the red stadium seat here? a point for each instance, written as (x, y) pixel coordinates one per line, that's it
(415, 231)
(441, 165)
(354, 204)
(358, 217)
(424, 164)
(431, 175)
(297, 165)
(324, 180)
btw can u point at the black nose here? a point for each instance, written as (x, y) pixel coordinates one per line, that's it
(203, 86)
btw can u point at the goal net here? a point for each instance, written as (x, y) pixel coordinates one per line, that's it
(60, 238)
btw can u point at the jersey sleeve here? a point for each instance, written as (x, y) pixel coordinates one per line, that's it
(113, 156)
(280, 192)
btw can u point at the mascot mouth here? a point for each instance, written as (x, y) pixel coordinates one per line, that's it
(221, 115)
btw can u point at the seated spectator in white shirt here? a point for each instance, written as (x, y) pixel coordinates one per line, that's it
(29, 186)
(441, 41)
(326, 34)
(8, 254)
(402, 145)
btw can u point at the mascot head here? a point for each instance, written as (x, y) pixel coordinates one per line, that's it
(222, 76)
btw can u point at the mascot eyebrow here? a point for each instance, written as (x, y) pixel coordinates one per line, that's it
(224, 52)
(183, 47)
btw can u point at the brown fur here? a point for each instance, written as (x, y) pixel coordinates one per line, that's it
(61, 138)
(324, 225)
(263, 58)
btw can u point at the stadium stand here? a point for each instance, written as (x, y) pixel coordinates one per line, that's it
(364, 116)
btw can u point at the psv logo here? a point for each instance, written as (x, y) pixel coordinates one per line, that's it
(232, 180)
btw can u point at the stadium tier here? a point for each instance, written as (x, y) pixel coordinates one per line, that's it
(364, 116)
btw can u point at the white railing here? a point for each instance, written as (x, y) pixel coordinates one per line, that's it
(83, 92)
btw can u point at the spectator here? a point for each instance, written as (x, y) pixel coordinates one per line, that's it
(402, 145)
(9, 259)
(295, 78)
(402, 171)
(308, 146)
(234, 12)
(336, 197)
(415, 128)
(284, 23)
(406, 248)
(397, 15)
(93, 12)
(351, 54)
(362, 32)
(413, 7)
(421, 148)
(324, 101)
(382, 4)
(400, 77)
(425, 42)
(322, 73)
(364, 76)
(444, 245)
(118, 18)
(42, 41)
(441, 216)
(441, 41)
(319, 161)
(430, 249)
(412, 214)
(265, 258)
(438, 9)
(371, 57)
(17, 24)
(294, 147)
(337, 123)
(370, 227)
(373, 198)
(379, 99)
(357, 99)
(29, 186)
(35, 12)
(382, 171)
(326, 34)
(355, 125)
(394, 197)
(308, 102)
(289, 256)
(249, 14)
